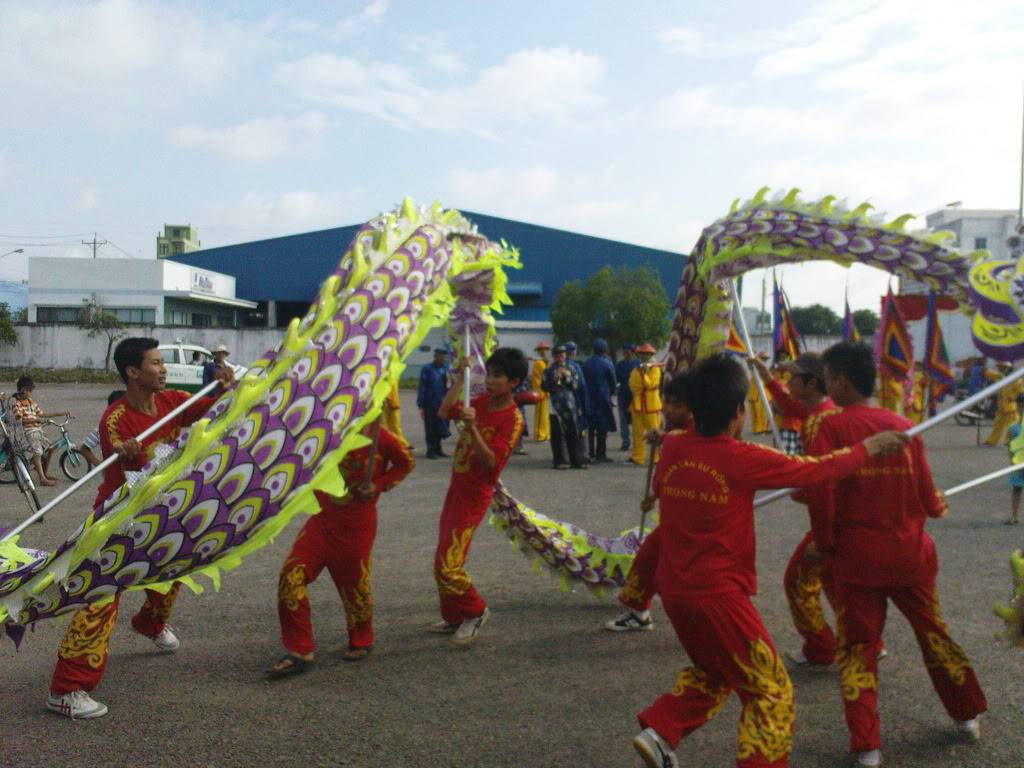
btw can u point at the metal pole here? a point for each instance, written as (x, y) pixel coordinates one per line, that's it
(757, 377)
(935, 420)
(1020, 204)
(647, 489)
(983, 479)
(108, 461)
(467, 374)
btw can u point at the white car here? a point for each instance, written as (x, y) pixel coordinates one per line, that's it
(184, 363)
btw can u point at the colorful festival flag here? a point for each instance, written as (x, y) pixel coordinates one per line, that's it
(850, 332)
(936, 359)
(786, 339)
(895, 350)
(734, 343)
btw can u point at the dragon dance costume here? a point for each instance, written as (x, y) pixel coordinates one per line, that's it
(340, 538)
(874, 523)
(469, 497)
(706, 575)
(82, 656)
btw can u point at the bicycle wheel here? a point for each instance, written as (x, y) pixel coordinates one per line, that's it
(26, 485)
(73, 464)
(7, 475)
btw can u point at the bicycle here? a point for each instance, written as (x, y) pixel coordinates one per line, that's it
(15, 470)
(73, 462)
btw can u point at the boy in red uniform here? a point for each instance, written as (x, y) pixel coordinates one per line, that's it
(492, 426)
(82, 656)
(807, 574)
(339, 538)
(705, 484)
(640, 587)
(874, 528)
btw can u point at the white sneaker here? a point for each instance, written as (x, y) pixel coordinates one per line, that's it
(872, 757)
(968, 730)
(470, 628)
(882, 654)
(798, 660)
(442, 628)
(631, 621)
(78, 705)
(166, 641)
(654, 750)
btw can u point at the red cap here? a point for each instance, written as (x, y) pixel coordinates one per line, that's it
(543, 345)
(645, 349)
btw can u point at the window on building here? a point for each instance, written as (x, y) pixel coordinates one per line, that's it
(163, 249)
(980, 243)
(64, 315)
(179, 247)
(177, 232)
(201, 321)
(134, 315)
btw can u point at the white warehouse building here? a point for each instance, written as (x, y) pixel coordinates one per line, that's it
(136, 291)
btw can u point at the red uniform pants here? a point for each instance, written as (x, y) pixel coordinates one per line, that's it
(804, 582)
(82, 656)
(860, 621)
(731, 650)
(640, 589)
(460, 517)
(341, 540)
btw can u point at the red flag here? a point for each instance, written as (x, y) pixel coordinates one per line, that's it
(786, 338)
(936, 360)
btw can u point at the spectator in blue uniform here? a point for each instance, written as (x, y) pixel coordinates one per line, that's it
(599, 374)
(433, 386)
(623, 368)
(561, 381)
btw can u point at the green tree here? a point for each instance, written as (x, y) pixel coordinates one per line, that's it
(95, 319)
(817, 320)
(620, 305)
(7, 335)
(865, 321)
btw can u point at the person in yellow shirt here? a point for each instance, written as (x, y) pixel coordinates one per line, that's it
(541, 411)
(755, 405)
(391, 409)
(890, 391)
(645, 407)
(918, 394)
(1007, 411)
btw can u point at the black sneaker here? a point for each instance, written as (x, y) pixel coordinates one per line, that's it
(631, 621)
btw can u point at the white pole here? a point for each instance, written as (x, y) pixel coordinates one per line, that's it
(757, 377)
(938, 418)
(108, 461)
(983, 479)
(468, 374)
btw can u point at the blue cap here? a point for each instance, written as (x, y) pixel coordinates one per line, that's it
(570, 346)
(440, 351)
(628, 347)
(600, 345)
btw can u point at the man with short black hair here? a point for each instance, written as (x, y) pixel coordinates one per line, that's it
(874, 529)
(82, 656)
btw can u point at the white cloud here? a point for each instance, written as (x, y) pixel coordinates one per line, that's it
(540, 84)
(88, 198)
(258, 215)
(253, 141)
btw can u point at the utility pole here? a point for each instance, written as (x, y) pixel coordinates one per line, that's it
(94, 243)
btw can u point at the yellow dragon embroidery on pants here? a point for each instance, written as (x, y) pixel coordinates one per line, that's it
(89, 634)
(358, 601)
(291, 589)
(161, 611)
(805, 601)
(696, 679)
(854, 674)
(766, 724)
(451, 576)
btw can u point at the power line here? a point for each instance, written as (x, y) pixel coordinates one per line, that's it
(94, 243)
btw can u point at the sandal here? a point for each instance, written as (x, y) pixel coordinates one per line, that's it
(361, 653)
(289, 664)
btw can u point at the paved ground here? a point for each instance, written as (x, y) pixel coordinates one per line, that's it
(544, 686)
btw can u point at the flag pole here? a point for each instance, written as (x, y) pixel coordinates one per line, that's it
(468, 373)
(925, 425)
(757, 377)
(108, 461)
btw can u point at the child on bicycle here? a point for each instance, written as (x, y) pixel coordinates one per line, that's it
(27, 411)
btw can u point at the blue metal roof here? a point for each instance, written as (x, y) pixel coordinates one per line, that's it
(291, 268)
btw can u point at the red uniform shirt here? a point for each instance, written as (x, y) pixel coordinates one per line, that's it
(792, 411)
(875, 518)
(705, 488)
(500, 429)
(392, 464)
(121, 422)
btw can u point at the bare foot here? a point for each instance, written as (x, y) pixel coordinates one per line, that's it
(47, 481)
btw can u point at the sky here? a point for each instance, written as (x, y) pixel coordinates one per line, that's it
(639, 122)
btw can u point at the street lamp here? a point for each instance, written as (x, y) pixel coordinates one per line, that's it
(16, 250)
